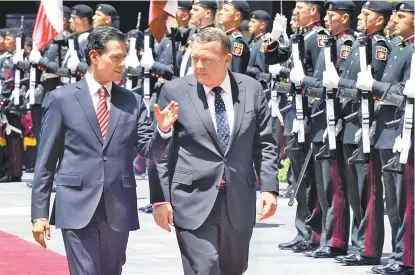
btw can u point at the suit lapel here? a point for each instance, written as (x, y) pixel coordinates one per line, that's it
(115, 112)
(238, 98)
(201, 106)
(83, 96)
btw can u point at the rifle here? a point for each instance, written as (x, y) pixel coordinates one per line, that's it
(361, 155)
(330, 55)
(19, 52)
(147, 87)
(299, 60)
(32, 80)
(133, 64)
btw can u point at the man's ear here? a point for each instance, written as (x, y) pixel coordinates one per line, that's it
(93, 55)
(228, 59)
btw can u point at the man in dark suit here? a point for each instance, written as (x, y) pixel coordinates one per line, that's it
(208, 180)
(92, 127)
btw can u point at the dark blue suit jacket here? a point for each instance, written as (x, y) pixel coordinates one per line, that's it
(91, 167)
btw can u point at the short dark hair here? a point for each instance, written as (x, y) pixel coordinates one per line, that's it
(98, 39)
(214, 34)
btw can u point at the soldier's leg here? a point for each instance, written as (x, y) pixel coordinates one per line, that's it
(15, 149)
(391, 188)
(337, 222)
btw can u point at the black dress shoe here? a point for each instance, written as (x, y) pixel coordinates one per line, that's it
(340, 259)
(146, 209)
(358, 260)
(380, 269)
(288, 246)
(303, 247)
(400, 269)
(311, 253)
(10, 179)
(30, 170)
(327, 252)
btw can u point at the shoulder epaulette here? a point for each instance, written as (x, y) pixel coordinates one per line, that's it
(348, 37)
(321, 30)
(237, 35)
(379, 38)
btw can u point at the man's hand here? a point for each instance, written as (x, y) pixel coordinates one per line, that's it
(297, 75)
(40, 231)
(267, 205)
(409, 90)
(167, 117)
(358, 135)
(163, 216)
(331, 78)
(279, 26)
(365, 79)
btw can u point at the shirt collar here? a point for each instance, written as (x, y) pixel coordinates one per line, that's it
(94, 86)
(226, 85)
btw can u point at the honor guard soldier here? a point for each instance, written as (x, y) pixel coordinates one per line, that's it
(333, 204)
(81, 24)
(309, 42)
(2, 38)
(389, 91)
(66, 18)
(11, 116)
(257, 27)
(231, 17)
(106, 15)
(363, 175)
(390, 31)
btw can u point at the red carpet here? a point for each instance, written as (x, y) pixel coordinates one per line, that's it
(19, 257)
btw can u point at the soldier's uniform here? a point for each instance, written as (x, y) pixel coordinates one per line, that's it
(256, 64)
(389, 110)
(364, 180)
(308, 216)
(239, 47)
(14, 140)
(329, 173)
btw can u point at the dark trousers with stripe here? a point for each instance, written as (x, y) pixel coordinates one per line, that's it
(14, 143)
(395, 206)
(308, 215)
(365, 193)
(332, 195)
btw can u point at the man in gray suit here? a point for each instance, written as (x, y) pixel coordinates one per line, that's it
(207, 183)
(92, 127)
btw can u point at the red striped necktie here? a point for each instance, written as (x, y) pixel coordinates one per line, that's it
(102, 111)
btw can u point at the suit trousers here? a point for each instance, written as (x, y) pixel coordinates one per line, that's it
(365, 194)
(332, 195)
(395, 206)
(95, 249)
(308, 214)
(215, 248)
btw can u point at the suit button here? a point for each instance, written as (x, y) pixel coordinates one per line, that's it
(104, 158)
(101, 181)
(225, 160)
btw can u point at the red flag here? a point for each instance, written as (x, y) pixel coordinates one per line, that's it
(159, 10)
(49, 22)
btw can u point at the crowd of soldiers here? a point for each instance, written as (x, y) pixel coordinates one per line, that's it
(341, 103)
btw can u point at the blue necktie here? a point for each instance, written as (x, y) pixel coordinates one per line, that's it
(222, 124)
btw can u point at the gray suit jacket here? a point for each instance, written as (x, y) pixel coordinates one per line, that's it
(91, 167)
(190, 178)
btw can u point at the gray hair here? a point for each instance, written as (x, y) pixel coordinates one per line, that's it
(214, 34)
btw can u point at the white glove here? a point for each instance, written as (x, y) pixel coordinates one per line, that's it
(17, 57)
(274, 69)
(409, 90)
(34, 57)
(331, 78)
(397, 146)
(147, 61)
(339, 126)
(73, 61)
(132, 60)
(365, 79)
(358, 135)
(297, 75)
(279, 27)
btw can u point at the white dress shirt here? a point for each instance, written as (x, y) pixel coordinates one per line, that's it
(227, 99)
(94, 87)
